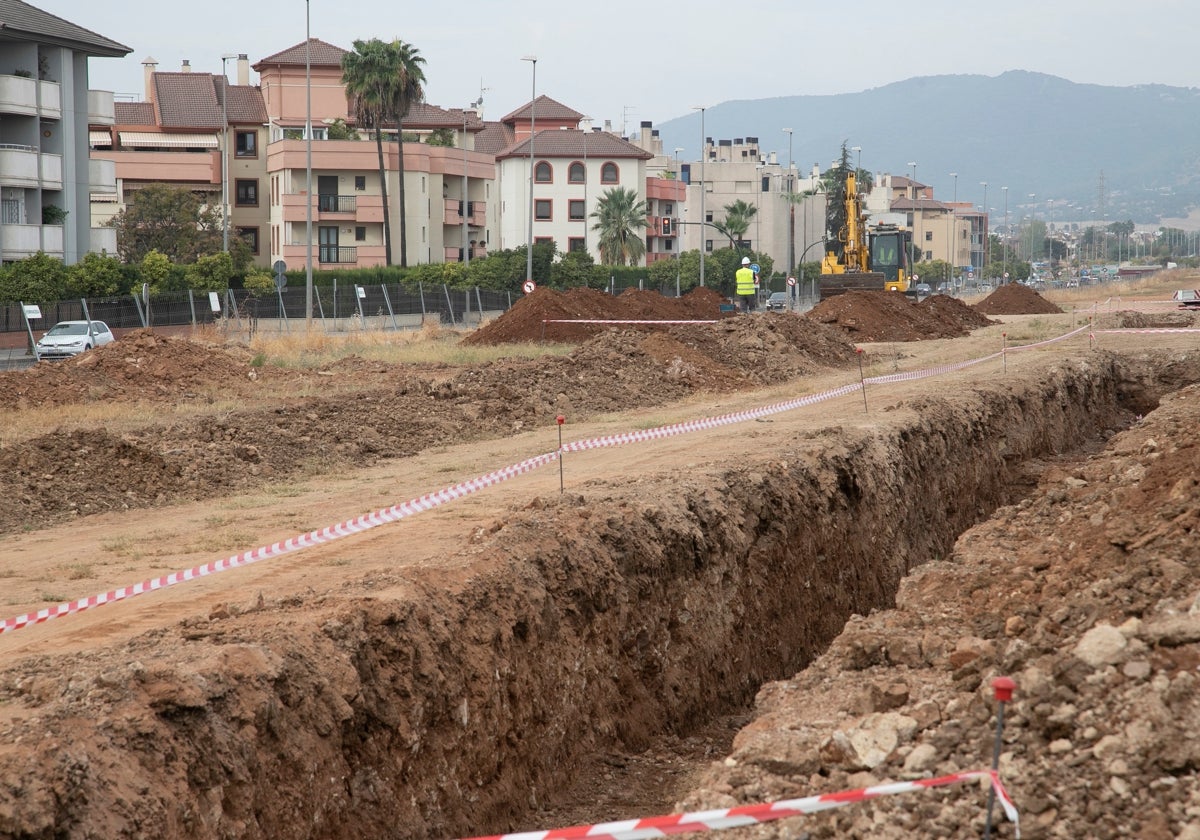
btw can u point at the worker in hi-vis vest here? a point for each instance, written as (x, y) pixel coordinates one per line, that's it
(747, 286)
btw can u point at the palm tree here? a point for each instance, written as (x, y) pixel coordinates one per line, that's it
(618, 212)
(410, 89)
(384, 79)
(737, 221)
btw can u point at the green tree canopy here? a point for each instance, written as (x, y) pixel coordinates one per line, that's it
(170, 220)
(619, 214)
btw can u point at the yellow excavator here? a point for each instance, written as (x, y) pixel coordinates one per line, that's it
(858, 258)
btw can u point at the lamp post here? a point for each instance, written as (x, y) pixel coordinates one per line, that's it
(953, 219)
(857, 159)
(532, 59)
(703, 186)
(585, 183)
(1050, 235)
(466, 246)
(984, 254)
(1004, 242)
(791, 234)
(1032, 219)
(225, 154)
(913, 164)
(308, 268)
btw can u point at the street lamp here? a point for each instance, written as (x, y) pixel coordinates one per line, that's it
(913, 164)
(532, 59)
(984, 255)
(1004, 242)
(703, 186)
(308, 268)
(585, 184)
(791, 237)
(466, 216)
(953, 212)
(857, 159)
(1032, 219)
(225, 153)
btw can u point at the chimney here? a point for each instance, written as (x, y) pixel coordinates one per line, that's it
(243, 77)
(149, 65)
(187, 67)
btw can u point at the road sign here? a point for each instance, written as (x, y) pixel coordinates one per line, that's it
(791, 281)
(916, 277)
(281, 281)
(279, 266)
(214, 301)
(754, 267)
(32, 311)
(528, 286)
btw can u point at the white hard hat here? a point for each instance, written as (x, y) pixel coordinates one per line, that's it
(745, 261)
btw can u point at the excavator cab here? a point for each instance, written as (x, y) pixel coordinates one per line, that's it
(889, 256)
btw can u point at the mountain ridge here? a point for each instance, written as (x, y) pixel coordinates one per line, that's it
(1116, 152)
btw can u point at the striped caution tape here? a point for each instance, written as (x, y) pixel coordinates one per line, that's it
(611, 321)
(744, 815)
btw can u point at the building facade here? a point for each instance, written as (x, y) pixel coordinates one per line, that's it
(46, 176)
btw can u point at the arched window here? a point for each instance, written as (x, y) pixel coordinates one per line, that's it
(543, 173)
(609, 174)
(576, 174)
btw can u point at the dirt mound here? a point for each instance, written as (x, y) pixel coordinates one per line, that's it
(1153, 320)
(888, 316)
(525, 320)
(142, 366)
(1015, 299)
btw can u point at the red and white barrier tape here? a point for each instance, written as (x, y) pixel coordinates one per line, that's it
(610, 321)
(427, 502)
(744, 815)
(1153, 330)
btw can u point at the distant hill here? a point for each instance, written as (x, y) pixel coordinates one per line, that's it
(1124, 152)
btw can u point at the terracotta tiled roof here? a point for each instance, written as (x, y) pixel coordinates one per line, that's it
(495, 138)
(246, 106)
(424, 115)
(908, 204)
(18, 19)
(543, 108)
(134, 113)
(573, 143)
(187, 100)
(321, 54)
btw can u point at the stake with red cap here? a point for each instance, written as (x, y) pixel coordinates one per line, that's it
(560, 420)
(1002, 688)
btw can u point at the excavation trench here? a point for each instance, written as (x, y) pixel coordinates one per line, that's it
(458, 701)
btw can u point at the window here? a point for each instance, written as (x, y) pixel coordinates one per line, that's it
(669, 208)
(575, 210)
(249, 235)
(928, 236)
(576, 244)
(609, 174)
(360, 233)
(543, 173)
(543, 240)
(247, 193)
(360, 182)
(247, 144)
(576, 174)
(541, 209)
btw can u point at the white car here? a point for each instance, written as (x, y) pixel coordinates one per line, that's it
(70, 338)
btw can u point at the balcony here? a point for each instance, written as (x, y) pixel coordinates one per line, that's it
(102, 176)
(453, 215)
(51, 172)
(104, 241)
(21, 241)
(336, 255)
(18, 95)
(452, 255)
(337, 204)
(100, 108)
(19, 165)
(51, 104)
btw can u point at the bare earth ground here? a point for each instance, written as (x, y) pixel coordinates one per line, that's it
(1083, 591)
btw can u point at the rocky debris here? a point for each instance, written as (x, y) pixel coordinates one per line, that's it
(1130, 320)
(891, 316)
(1015, 299)
(525, 321)
(1088, 595)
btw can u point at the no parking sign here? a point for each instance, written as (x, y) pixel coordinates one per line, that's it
(528, 286)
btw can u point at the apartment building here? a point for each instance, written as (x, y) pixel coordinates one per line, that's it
(46, 178)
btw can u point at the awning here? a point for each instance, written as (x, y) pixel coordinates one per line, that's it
(99, 138)
(168, 141)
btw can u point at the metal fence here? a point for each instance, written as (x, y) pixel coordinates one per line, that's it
(336, 308)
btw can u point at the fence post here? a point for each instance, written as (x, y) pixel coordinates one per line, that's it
(192, 306)
(421, 292)
(449, 304)
(141, 315)
(387, 300)
(479, 305)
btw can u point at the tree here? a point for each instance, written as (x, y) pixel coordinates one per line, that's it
(36, 278)
(210, 273)
(619, 212)
(575, 269)
(441, 137)
(169, 220)
(96, 275)
(338, 130)
(737, 221)
(156, 270)
(383, 80)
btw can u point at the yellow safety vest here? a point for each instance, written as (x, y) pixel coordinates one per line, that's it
(745, 281)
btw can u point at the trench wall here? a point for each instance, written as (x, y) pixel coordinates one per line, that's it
(450, 702)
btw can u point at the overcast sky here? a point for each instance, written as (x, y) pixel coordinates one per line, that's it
(626, 62)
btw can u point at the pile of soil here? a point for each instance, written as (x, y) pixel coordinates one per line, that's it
(889, 316)
(1015, 299)
(525, 320)
(1153, 320)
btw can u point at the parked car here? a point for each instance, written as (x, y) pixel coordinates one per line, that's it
(777, 302)
(924, 290)
(70, 338)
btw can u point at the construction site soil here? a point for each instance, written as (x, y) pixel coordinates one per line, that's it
(776, 605)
